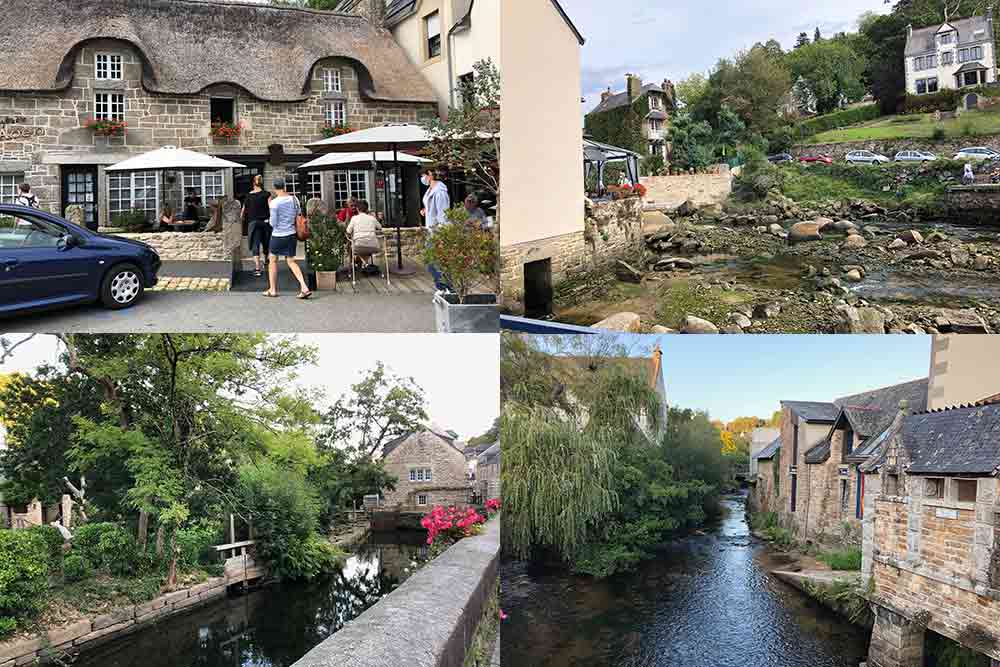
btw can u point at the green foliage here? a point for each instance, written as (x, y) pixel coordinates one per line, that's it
(54, 545)
(754, 84)
(831, 71)
(938, 134)
(653, 165)
(285, 512)
(109, 547)
(76, 568)
(131, 221)
(197, 544)
(327, 245)
(463, 251)
(837, 119)
(693, 142)
(848, 596)
(621, 126)
(681, 299)
(691, 88)
(757, 178)
(846, 559)
(23, 576)
(943, 100)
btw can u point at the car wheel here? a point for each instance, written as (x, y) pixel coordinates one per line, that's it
(122, 287)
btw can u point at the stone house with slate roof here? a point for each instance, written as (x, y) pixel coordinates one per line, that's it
(430, 469)
(766, 493)
(169, 68)
(959, 53)
(659, 100)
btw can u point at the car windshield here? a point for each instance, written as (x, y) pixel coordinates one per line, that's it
(28, 232)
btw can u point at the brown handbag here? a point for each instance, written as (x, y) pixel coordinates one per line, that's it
(302, 227)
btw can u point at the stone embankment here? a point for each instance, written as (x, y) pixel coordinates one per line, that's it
(889, 147)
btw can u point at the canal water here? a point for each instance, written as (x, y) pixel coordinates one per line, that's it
(706, 601)
(270, 627)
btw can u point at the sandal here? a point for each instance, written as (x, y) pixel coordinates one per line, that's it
(270, 294)
(305, 295)
(257, 273)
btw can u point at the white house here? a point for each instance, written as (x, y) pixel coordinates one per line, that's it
(955, 54)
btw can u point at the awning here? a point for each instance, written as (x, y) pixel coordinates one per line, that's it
(173, 158)
(341, 160)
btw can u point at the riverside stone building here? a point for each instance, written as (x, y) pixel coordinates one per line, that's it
(766, 493)
(430, 469)
(169, 69)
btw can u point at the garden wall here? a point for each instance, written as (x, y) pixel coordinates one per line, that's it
(430, 620)
(889, 147)
(181, 246)
(668, 192)
(88, 633)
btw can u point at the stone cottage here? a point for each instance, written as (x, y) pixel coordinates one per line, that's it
(488, 472)
(430, 469)
(932, 532)
(766, 493)
(656, 101)
(94, 82)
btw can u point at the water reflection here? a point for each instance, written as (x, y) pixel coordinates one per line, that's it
(706, 601)
(273, 626)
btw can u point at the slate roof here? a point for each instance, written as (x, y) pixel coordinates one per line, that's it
(814, 411)
(392, 445)
(871, 411)
(491, 455)
(188, 45)
(769, 451)
(621, 99)
(819, 452)
(922, 39)
(970, 67)
(959, 441)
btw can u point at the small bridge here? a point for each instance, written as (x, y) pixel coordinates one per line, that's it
(240, 562)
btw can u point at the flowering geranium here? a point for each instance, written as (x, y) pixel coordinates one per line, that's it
(330, 130)
(225, 130)
(451, 523)
(492, 506)
(106, 128)
(640, 189)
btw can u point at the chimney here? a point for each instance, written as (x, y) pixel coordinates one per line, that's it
(634, 86)
(605, 94)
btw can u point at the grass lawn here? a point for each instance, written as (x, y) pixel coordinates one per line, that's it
(808, 185)
(914, 126)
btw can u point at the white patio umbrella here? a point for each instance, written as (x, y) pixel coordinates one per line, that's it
(171, 158)
(392, 137)
(332, 161)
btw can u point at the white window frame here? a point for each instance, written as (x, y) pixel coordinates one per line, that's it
(432, 21)
(8, 187)
(335, 112)
(421, 475)
(203, 182)
(948, 57)
(111, 108)
(345, 184)
(136, 180)
(936, 86)
(946, 37)
(422, 499)
(113, 65)
(333, 82)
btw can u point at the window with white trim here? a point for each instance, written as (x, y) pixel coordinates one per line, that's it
(336, 113)
(304, 186)
(948, 57)
(421, 498)
(332, 82)
(347, 184)
(210, 185)
(133, 191)
(109, 106)
(107, 67)
(946, 37)
(432, 27)
(8, 187)
(420, 475)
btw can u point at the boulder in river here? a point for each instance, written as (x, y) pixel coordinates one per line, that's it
(912, 237)
(740, 320)
(823, 223)
(960, 256)
(935, 237)
(964, 321)
(844, 226)
(775, 229)
(804, 231)
(624, 322)
(855, 242)
(853, 276)
(763, 311)
(696, 325)
(981, 262)
(897, 244)
(660, 329)
(859, 320)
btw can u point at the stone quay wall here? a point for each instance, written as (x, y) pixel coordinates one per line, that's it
(668, 192)
(417, 625)
(612, 229)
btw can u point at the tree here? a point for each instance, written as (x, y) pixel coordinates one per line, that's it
(801, 40)
(882, 39)
(467, 143)
(491, 435)
(817, 37)
(381, 407)
(753, 85)
(691, 88)
(692, 141)
(831, 71)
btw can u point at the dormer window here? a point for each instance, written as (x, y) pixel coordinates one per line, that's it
(107, 67)
(332, 81)
(947, 37)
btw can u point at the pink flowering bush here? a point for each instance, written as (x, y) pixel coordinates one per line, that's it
(492, 506)
(452, 524)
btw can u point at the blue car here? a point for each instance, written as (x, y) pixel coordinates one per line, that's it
(48, 261)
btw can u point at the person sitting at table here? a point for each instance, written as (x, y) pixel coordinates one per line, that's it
(192, 205)
(345, 214)
(363, 231)
(476, 214)
(167, 217)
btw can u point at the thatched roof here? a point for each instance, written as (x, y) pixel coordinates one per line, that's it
(187, 45)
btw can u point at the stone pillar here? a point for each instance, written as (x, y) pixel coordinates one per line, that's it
(872, 488)
(67, 511)
(36, 514)
(896, 641)
(232, 232)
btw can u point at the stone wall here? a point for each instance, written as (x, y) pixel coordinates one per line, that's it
(984, 197)
(201, 246)
(932, 561)
(672, 191)
(449, 483)
(889, 147)
(765, 494)
(414, 240)
(85, 634)
(430, 620)
(612, 229)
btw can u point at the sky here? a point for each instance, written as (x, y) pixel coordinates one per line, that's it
(743, 376)
(669, 40)
(458, 373)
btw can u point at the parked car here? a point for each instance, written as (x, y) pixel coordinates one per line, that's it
(48, 261)
(780, 157)
(977, 153)
(865, 157)
(914, 156)
(825, 159)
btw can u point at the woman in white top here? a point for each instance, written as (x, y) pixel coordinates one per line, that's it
(284, 243)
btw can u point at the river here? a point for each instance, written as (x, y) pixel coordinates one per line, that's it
(706, 601)
(272, 626)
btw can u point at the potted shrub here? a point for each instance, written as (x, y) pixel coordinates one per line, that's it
(226, 131)
(106, 128)
(335, 130)
(326, 249)
(467, 256)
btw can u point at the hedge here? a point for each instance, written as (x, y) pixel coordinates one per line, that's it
(836, 120)
(944, 100)
(24, 576)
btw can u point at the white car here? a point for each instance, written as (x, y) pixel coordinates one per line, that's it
(977, 153)
(866, 157)
(915, 156)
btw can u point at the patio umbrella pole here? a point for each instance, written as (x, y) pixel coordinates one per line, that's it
(400, 270)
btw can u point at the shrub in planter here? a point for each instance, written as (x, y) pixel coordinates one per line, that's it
(330, 130)
(463, 251)
(133, 221)
(107, 128)
(76, 568)
(327, 245)
(226, 130)
(24, 576)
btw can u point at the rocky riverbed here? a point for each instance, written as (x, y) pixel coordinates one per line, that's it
(849, 267)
